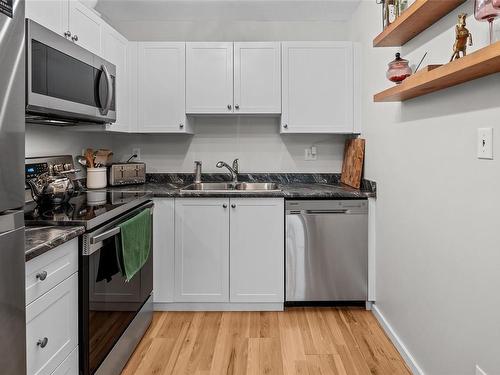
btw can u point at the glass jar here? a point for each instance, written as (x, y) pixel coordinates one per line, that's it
(398, 70)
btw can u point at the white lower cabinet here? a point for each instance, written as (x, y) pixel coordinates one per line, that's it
(226, 251)
(52, 327)
(69, 366)
(202, 250)
(257, 250)
(52, 311)
(163, 250)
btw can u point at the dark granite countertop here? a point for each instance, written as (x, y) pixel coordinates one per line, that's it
(292, 186)
(39, 240)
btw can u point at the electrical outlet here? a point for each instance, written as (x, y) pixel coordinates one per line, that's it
(137, 151)
(311, 154)
(479, 371)
(485, 143)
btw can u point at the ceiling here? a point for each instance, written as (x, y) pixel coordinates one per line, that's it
(120, 11)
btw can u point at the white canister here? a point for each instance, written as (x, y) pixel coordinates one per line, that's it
(97, 178)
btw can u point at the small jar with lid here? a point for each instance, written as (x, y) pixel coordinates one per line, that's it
(398, 70)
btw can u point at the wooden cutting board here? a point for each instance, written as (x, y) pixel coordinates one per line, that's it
(354, 157)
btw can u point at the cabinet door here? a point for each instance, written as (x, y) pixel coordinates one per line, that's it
(161, 88)
(318, 87)
(69, 366)
(257, 78)
(85, 26)
(257, 250)
(163, 250)
(202, 250)
(209, 78)
(114, 49)
(53, 14)
(52, 327)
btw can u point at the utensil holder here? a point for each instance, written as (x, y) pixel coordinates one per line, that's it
(96, 178)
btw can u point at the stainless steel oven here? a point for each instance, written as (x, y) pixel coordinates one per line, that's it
(65, 83)
(114, 313)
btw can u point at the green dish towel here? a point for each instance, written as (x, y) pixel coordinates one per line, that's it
(134, 243)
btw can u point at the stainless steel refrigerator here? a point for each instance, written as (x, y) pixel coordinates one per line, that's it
(12, 112)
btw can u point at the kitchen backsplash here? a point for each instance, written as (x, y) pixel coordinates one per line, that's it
(254, 140)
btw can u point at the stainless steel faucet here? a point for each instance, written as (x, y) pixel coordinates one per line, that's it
(234, 170)
(197, 172)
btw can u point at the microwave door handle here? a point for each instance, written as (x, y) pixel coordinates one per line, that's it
(109, 98)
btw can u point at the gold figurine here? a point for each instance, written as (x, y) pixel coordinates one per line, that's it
(462, 36)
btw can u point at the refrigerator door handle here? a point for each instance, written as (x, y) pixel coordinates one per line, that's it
(11, 220)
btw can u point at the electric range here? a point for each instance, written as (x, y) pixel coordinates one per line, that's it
(113, 312)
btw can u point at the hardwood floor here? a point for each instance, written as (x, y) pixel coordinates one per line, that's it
(312, 341)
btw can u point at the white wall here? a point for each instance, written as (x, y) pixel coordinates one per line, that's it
(438, 258)
(43, 140)
(231, 31)
(254, 140)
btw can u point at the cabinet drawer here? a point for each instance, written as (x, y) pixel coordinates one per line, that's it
(57, 264)
(69, 366)
(52, 322)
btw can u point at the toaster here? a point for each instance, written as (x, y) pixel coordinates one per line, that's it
(126, 174)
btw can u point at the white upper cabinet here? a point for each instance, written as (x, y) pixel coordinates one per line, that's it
(257, 78)
(114, 49)
(318, 87)
(257, 250)
(85, 26)
(53, 14)
(69, 18)
(161, 103)
(202, 250)
(209, 78)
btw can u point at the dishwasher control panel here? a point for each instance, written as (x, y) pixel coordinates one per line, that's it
(352, 206)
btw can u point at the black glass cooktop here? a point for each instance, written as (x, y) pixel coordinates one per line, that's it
(87, 208)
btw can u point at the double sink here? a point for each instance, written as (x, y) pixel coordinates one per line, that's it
(228, 187)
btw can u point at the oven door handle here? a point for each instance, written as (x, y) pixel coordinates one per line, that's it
(93, 241)
(104, 236)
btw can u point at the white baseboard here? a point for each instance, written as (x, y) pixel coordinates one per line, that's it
(190, 306)
(398, 343)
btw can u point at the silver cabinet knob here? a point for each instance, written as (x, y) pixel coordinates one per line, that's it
(229, 106)
(285, 126)
(224, 205)
(237, 106)
(42, 343)
(41, 275)
(181, 126)
(67, 34)
(74, 38)
(233, 205)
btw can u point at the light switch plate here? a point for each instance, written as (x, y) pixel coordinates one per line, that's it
(485, 143)
(311, 154)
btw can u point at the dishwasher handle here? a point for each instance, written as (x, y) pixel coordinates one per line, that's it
(318, 212)
(326, 212)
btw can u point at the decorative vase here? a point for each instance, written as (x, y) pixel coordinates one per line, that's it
(398, 70)
(484, 10)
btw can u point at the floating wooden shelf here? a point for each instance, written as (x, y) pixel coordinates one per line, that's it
(418, 17)
(478, 64)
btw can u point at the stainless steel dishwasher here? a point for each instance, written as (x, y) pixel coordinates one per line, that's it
(326, 251)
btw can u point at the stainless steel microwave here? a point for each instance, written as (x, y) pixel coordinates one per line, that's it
(66, 84)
